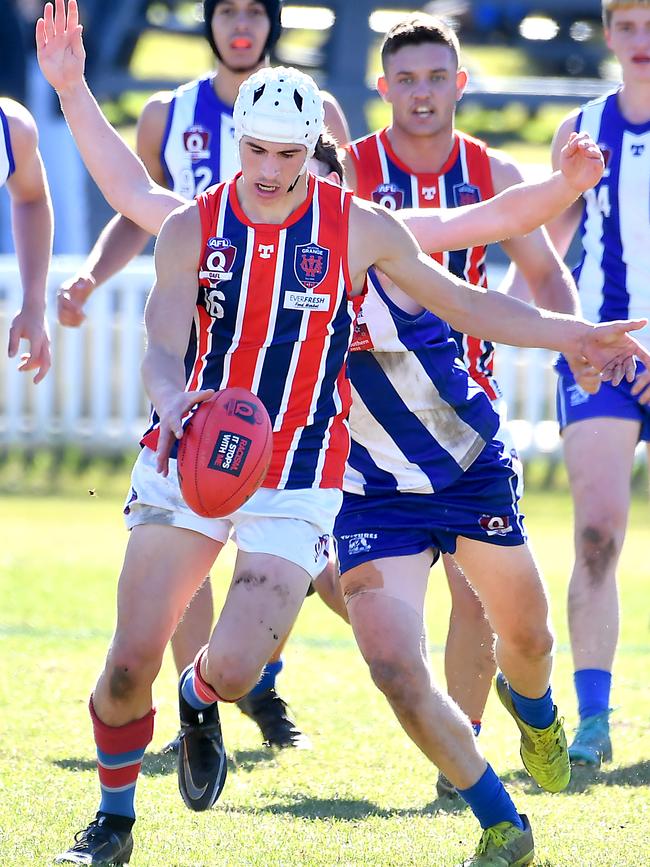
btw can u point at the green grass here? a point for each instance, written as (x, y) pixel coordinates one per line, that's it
(363, 796)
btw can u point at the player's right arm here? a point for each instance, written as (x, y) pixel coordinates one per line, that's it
(515, 211)
(168, 317)
(118, 172)
(562, 227)
(378, 237)
(121, 239)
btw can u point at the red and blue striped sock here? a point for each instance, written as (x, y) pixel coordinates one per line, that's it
(119, 758)
(196, 691)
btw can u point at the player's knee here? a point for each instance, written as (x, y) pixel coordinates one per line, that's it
(131, 666)
(598, 548)
(535, 643)
(126, 676)
(400, 679)
(231, 676)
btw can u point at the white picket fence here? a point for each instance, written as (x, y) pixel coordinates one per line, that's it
(93, 396)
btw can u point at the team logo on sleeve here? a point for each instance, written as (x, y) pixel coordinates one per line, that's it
(196, 141)
(388, 196)
(310, 264)
(466, 194)
(218, 261)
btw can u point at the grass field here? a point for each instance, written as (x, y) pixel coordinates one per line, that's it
(363, 796)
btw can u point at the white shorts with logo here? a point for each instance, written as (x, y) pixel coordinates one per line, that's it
(294, 524)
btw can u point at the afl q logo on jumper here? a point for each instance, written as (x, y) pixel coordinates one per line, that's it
(388, 196)
(310, 264)
(219, 260)
(196, 141)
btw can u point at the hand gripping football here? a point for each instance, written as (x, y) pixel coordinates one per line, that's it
(224, 453)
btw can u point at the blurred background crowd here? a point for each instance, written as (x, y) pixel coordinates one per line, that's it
(529, 62)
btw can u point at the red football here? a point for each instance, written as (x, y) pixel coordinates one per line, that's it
(224, 453)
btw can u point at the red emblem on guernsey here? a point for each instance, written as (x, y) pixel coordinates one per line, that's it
(310, 264)
(361, 338)
(218, 261)
(466, 194)
(606, 151)
(388, 196)
(196, 141)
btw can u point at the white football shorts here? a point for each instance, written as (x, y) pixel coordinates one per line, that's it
(294, 524)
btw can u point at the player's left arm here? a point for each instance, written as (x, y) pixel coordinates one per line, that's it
(549, 279)
(335, 120)
(378, 237)
(32, 226)
(517, 208)
(168, 316)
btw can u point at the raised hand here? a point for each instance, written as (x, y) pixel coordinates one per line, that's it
(581, 161)
(59, 46)
(610, 349)
(171, 423)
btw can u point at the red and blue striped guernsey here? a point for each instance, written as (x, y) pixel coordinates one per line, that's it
(274, 314)
(464, 179)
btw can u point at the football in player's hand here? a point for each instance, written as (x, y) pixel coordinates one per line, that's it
(225, 452)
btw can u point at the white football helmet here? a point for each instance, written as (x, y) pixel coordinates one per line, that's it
(280, 104)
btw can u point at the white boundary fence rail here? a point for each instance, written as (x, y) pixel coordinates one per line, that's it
(93, 396)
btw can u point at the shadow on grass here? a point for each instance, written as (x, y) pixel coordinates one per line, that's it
(352, 809)
(585, 779)
(161, 764)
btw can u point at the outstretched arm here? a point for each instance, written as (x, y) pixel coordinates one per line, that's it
(379, 238)
(32, 225)
(117, 171)
(516, 211)
(121, 239)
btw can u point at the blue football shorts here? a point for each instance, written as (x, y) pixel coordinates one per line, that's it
(574, 404)
(480, 505)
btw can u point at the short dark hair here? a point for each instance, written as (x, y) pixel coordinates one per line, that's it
(419, 29)
(326, 152)
(610, 6)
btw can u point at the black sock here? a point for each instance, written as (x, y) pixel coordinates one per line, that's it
(118, 823)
